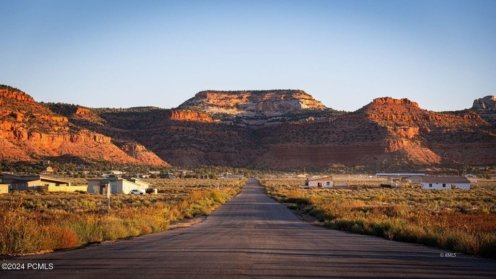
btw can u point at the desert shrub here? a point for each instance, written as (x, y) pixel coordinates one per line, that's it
(457, 220)
(18, 233)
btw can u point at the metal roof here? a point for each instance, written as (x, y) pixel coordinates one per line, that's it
(31, 177)
(445, 179)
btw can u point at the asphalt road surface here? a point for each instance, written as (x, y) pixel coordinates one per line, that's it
(254, 237)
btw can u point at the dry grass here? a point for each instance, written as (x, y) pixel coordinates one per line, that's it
(458, 220)
(34, 222)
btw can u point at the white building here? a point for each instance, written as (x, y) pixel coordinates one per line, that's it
(445, 182)
(320, 182)
(117, 185)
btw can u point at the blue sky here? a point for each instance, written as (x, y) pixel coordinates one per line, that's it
(441, 54)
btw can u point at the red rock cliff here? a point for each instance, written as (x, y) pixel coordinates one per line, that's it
(31, 131)
(189, 115)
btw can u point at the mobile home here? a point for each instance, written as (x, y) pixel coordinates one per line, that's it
(445, 182)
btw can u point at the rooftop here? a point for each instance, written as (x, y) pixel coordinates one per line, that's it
(31, 177)
(399, 174)
(445, 179)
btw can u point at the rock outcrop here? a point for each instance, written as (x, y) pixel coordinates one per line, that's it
(7, 92)
(190, 115)
(487, 104)
(411, 130)
(486, 108)
(257, 107)
(252, 103)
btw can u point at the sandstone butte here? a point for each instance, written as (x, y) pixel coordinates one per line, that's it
(252, 103)
(277, 129)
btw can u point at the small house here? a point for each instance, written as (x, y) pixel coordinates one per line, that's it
(31, 182)
(323, 182)
(445, 182)
(40, 183)
(117, 185)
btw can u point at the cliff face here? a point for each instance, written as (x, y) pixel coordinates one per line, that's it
(426, 137)
(387, 133)
(487, 104)
(189, 115)
(31, 131)
(252, 103)
(255, 107)
(486, 108)
(284, 129)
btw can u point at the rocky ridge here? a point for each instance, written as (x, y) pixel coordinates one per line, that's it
(261, 129)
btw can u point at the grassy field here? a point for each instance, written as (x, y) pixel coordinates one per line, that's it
(457, 220)
(33, 222)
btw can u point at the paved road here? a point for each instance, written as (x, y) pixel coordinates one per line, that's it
(255, 237)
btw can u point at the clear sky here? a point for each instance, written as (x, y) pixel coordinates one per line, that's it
(104, 53)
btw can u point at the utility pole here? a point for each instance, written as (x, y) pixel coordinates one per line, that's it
(108, 198)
